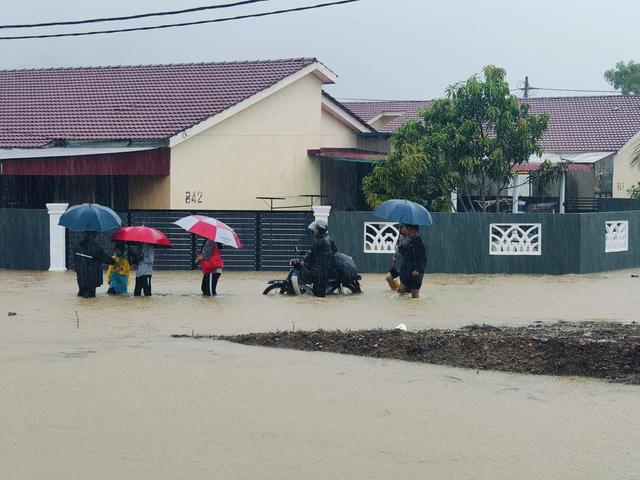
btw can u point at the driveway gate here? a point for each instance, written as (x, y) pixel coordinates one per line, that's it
(268, 238)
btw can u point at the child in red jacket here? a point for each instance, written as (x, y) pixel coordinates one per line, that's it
(211, 262)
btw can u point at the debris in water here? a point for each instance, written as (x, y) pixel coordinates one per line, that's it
(402, 327)
(12, 314)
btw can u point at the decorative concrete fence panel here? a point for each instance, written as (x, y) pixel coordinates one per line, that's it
(616, 236)
(380, 237)
(515, 239)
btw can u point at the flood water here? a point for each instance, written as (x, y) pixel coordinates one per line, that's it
(107, 393)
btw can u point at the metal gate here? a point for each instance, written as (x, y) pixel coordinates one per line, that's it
(268, 238)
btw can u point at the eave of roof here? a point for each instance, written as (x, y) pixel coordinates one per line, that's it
(347, 154)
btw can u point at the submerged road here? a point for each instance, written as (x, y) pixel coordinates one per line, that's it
(118, 398)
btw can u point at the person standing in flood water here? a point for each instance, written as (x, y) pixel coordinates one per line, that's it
(89, 257)
(414, 263)
(118, 273)
(144, 256)
(211, 263)
(394, 273)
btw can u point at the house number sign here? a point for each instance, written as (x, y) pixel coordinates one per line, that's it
(193, 198)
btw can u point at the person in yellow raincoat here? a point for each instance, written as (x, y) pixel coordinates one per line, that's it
(118, 273)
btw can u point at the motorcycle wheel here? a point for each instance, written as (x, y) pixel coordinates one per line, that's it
(271, 288)
(353, 287)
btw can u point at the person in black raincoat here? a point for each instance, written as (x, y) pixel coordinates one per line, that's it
(414, 262)
(88, 259)
(319, 260)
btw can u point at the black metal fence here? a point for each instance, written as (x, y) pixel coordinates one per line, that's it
(268, 238)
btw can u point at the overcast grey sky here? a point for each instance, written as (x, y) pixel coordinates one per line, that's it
(389, 49)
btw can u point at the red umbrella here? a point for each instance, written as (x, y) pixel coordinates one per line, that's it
(142, 234)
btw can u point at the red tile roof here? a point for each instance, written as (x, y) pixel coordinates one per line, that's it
(369, 110)
(147, 102)
(577, 124)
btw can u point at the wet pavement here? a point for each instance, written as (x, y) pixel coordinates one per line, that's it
(118, 398)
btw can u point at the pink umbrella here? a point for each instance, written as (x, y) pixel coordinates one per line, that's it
(210, 228)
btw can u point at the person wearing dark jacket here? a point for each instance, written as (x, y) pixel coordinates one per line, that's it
(414, 262)
(89, 258)
(319, 260)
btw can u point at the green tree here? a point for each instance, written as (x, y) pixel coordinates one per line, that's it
(625, 77)
(471, 140)
(634, 191)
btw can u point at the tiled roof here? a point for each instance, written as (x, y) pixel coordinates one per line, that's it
(577, 124)
(147, 102)
(369, 110)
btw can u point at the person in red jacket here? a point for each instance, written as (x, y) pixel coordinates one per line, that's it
(211, 262)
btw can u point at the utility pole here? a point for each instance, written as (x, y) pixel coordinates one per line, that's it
(526, 87)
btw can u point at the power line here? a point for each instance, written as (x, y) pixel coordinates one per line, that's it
(132, 17)
(184, 24)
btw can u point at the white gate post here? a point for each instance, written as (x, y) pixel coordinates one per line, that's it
(514, 194)
(56, 237)
(321, 212)
(563, 190)
(454, 201)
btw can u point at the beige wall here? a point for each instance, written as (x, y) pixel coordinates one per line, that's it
(335, 133)
(260, 151)
(149, 192)
(624, 174)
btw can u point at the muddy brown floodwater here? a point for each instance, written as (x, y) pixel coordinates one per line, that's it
(119, 398)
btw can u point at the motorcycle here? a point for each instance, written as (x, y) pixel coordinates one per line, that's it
(299, 281)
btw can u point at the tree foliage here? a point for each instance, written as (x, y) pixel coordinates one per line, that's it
(625, 77)
(634, 191)
(468, 141)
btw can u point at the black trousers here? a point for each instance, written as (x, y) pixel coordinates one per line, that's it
(210, 283)
(143, 283)
(320, 284)
(87, 292)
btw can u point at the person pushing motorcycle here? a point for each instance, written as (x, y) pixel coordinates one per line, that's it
(318, 261)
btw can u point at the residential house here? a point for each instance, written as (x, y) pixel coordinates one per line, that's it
(193, 136)
(598, 131)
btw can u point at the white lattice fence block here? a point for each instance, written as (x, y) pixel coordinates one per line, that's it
(616, 236)
(380, 237)
(515, 239)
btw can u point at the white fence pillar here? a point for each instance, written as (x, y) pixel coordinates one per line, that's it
(454, 201)
(57, 249)
(321, 212)
(514, 194)
(563, 190)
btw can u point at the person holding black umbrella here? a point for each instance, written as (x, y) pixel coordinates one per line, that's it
(90, 218)
(89, 258)
(414, 262)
